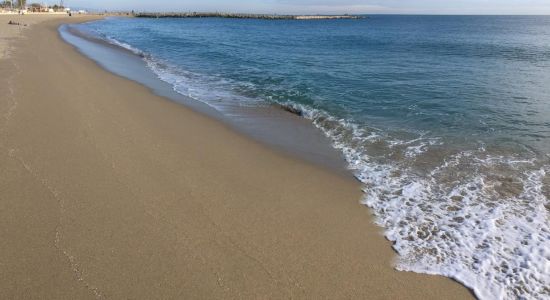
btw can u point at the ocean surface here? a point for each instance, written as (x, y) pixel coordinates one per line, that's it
(445, 120)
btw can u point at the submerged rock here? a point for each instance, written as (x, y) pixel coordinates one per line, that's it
(291, 109)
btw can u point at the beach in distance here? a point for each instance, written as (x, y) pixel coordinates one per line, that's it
(239, 156)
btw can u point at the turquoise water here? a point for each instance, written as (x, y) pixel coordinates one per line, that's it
(445, 119)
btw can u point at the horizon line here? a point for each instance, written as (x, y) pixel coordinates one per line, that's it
(321, 14)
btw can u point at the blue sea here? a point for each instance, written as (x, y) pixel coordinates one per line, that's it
(444, 119)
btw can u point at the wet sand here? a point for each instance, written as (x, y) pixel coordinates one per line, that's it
(108, 191)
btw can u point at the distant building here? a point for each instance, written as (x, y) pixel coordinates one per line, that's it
(36, 7)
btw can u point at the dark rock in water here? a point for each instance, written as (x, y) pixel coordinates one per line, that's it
(292, 110)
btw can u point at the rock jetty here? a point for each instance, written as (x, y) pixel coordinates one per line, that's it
(242, 16)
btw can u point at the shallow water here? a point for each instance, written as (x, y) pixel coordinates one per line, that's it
(445, 119)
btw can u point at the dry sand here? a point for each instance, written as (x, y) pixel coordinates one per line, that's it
(108, 191)
(9, 33)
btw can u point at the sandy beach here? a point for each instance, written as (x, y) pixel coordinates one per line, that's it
(10, 32)
(108, 191)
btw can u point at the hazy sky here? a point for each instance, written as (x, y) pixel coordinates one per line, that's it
(325, 6)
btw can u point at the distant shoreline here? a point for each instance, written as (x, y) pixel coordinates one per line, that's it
(243, 16)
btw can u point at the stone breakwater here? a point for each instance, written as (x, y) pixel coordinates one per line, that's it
(245, 16)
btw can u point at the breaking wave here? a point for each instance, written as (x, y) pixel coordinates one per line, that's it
(479, 215)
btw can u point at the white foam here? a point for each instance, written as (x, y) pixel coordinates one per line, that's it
(457, 220)
(125, 46)
(213, 91)
(118, 43)
(456, 223)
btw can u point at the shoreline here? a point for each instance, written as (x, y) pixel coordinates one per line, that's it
(110, 194)
(275, 126)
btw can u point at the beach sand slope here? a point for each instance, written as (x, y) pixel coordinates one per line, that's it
(108, 191)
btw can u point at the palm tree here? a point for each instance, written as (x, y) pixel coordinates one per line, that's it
(22, 3)
(6, 4)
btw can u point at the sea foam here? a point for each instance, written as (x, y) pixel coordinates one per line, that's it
(453, 223)
(475, 216)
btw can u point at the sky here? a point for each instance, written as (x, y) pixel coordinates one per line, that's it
(323, 6)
